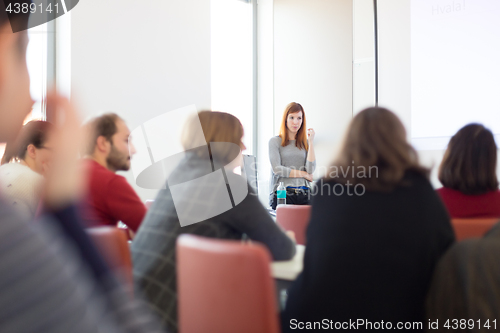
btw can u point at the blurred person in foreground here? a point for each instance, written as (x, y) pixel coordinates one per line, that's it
(377, 230)
(24, 163)
(195, 201)
(464, 291)
(468, 173)
(51, 277)
(110, 197)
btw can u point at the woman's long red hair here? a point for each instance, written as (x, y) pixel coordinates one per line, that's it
(301, 136)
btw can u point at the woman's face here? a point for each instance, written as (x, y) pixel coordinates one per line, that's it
(294, 121)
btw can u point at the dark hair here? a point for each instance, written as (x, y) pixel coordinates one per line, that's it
(470, 161)
(33, 133)
(105, 126)
(376, 139)
(18, 21)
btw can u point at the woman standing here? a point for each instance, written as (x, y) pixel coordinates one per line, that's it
(292, 157)
(375, 234)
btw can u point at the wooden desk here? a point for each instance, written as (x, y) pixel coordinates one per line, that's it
(290, 269)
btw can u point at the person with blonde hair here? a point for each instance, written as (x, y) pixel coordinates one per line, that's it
(292, 157)
(374, 238)
(202, 197)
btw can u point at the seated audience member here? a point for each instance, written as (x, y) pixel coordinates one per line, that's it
(154, 244)
(23, 165)
(465, 286)
(375, 235)
(110, 197)
(51, 277)
(468, 174)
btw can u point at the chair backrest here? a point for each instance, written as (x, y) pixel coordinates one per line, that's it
(224, 286)
(472, 228)
(294, 218)
(149, 203)
(113, 245)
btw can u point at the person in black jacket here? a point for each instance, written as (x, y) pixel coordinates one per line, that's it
(377, 230)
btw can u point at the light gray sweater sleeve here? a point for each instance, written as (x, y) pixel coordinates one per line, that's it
(310, 166)
(275, 159)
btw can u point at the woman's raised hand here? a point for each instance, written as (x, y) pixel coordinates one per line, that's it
(310, 134)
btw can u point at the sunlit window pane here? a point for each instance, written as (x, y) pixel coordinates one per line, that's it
(36, 57)
(232, 62)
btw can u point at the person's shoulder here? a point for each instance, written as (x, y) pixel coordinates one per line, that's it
(494, 193)
(447, 192)
(118, 182)
(16, 167)
(444, 192)
(275, 140)
(417, 177)
(414, 173)
(18, 171)
(98, 173)
(93, 166)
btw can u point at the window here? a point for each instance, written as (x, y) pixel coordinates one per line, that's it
(36, 58)
(232, 62)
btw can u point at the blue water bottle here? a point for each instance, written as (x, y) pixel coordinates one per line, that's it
(281, 194)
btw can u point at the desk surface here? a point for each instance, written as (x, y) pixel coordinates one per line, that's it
(290, 269)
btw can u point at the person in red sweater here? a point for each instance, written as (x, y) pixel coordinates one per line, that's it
(468, 174)
(110, 197)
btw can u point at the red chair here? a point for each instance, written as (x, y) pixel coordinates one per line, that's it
(224, 286)
(113, 245)
(472, 228)
(294, 218)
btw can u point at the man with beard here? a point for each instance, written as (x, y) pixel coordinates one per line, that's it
(110, 197)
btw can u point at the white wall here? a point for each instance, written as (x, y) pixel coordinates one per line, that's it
(265, 100)
(363, 70)
(313, 66)
(140, 59)
(394, 58)
(395, 70)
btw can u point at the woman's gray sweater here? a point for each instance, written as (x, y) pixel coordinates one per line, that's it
(283, 160)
